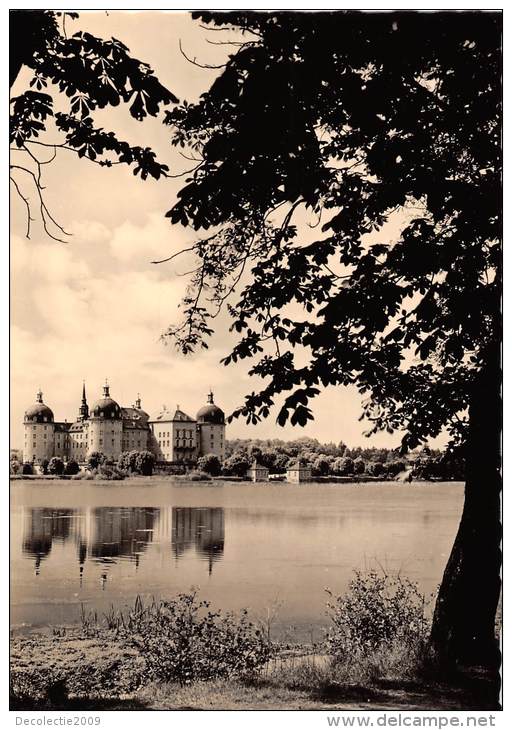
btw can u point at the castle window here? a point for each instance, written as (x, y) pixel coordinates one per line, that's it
(101, 442)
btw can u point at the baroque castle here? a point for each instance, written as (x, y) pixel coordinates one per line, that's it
(111, 429)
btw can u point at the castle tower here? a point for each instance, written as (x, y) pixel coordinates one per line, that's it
(39, 428)
(83, 411)
(211, 425)
(105, 426)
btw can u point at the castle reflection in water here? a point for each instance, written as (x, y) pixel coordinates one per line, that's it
(107, 535)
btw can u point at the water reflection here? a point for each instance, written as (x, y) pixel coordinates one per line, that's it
(107, 535)
(42, 528)
(121, 532)
(200, 527)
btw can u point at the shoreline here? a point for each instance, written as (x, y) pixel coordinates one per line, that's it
(235, 480)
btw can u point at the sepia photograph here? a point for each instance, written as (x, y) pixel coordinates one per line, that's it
(255, 437)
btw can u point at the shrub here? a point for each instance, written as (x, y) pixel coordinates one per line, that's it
(14, 466)
(237, 465)
(72, 467)
(27, 468)
(197, 476)
(321, 466)
(344, 465)
(56, 465)
(44, 466)
(96, 459)
(210, 464)
(127, 460)
(375, 468)
(109, 472)
(379, 611)
(145, 462)
(182, 640)
(359, 466)
(395, 467)
(280, 463)
(137, 462)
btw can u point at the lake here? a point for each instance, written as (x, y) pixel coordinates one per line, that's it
(271, 548)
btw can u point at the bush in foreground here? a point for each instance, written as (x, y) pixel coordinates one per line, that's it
(378, 612)
(182, 640)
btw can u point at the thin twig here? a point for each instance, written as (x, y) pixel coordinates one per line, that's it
(174, 255)
(195, 63)
(42, 206)
(25, 200)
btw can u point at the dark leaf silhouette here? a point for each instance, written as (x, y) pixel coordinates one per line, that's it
(357, 120)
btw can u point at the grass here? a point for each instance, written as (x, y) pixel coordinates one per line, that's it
(385, 680)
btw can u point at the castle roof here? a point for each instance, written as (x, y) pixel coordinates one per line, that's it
(179, 416)
(210, 413)
(76, 426)
(106, 407)
(39, 412)
(62, 426)
(296, 466)
(134, 418)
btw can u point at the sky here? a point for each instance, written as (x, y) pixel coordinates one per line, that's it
(95, 307)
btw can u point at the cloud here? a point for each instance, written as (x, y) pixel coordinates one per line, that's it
(90, 231)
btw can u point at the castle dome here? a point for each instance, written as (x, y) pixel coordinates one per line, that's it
(39, 412)
(210, 413)
(106, 407)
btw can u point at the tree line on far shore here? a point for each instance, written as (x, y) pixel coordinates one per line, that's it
(277, 456)
(339, 460)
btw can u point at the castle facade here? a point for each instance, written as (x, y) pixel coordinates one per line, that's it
(111, 429)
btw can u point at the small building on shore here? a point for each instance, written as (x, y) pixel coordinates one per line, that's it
(257, 472)
(297, 473)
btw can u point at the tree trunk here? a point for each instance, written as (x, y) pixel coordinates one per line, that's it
(463, 629)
